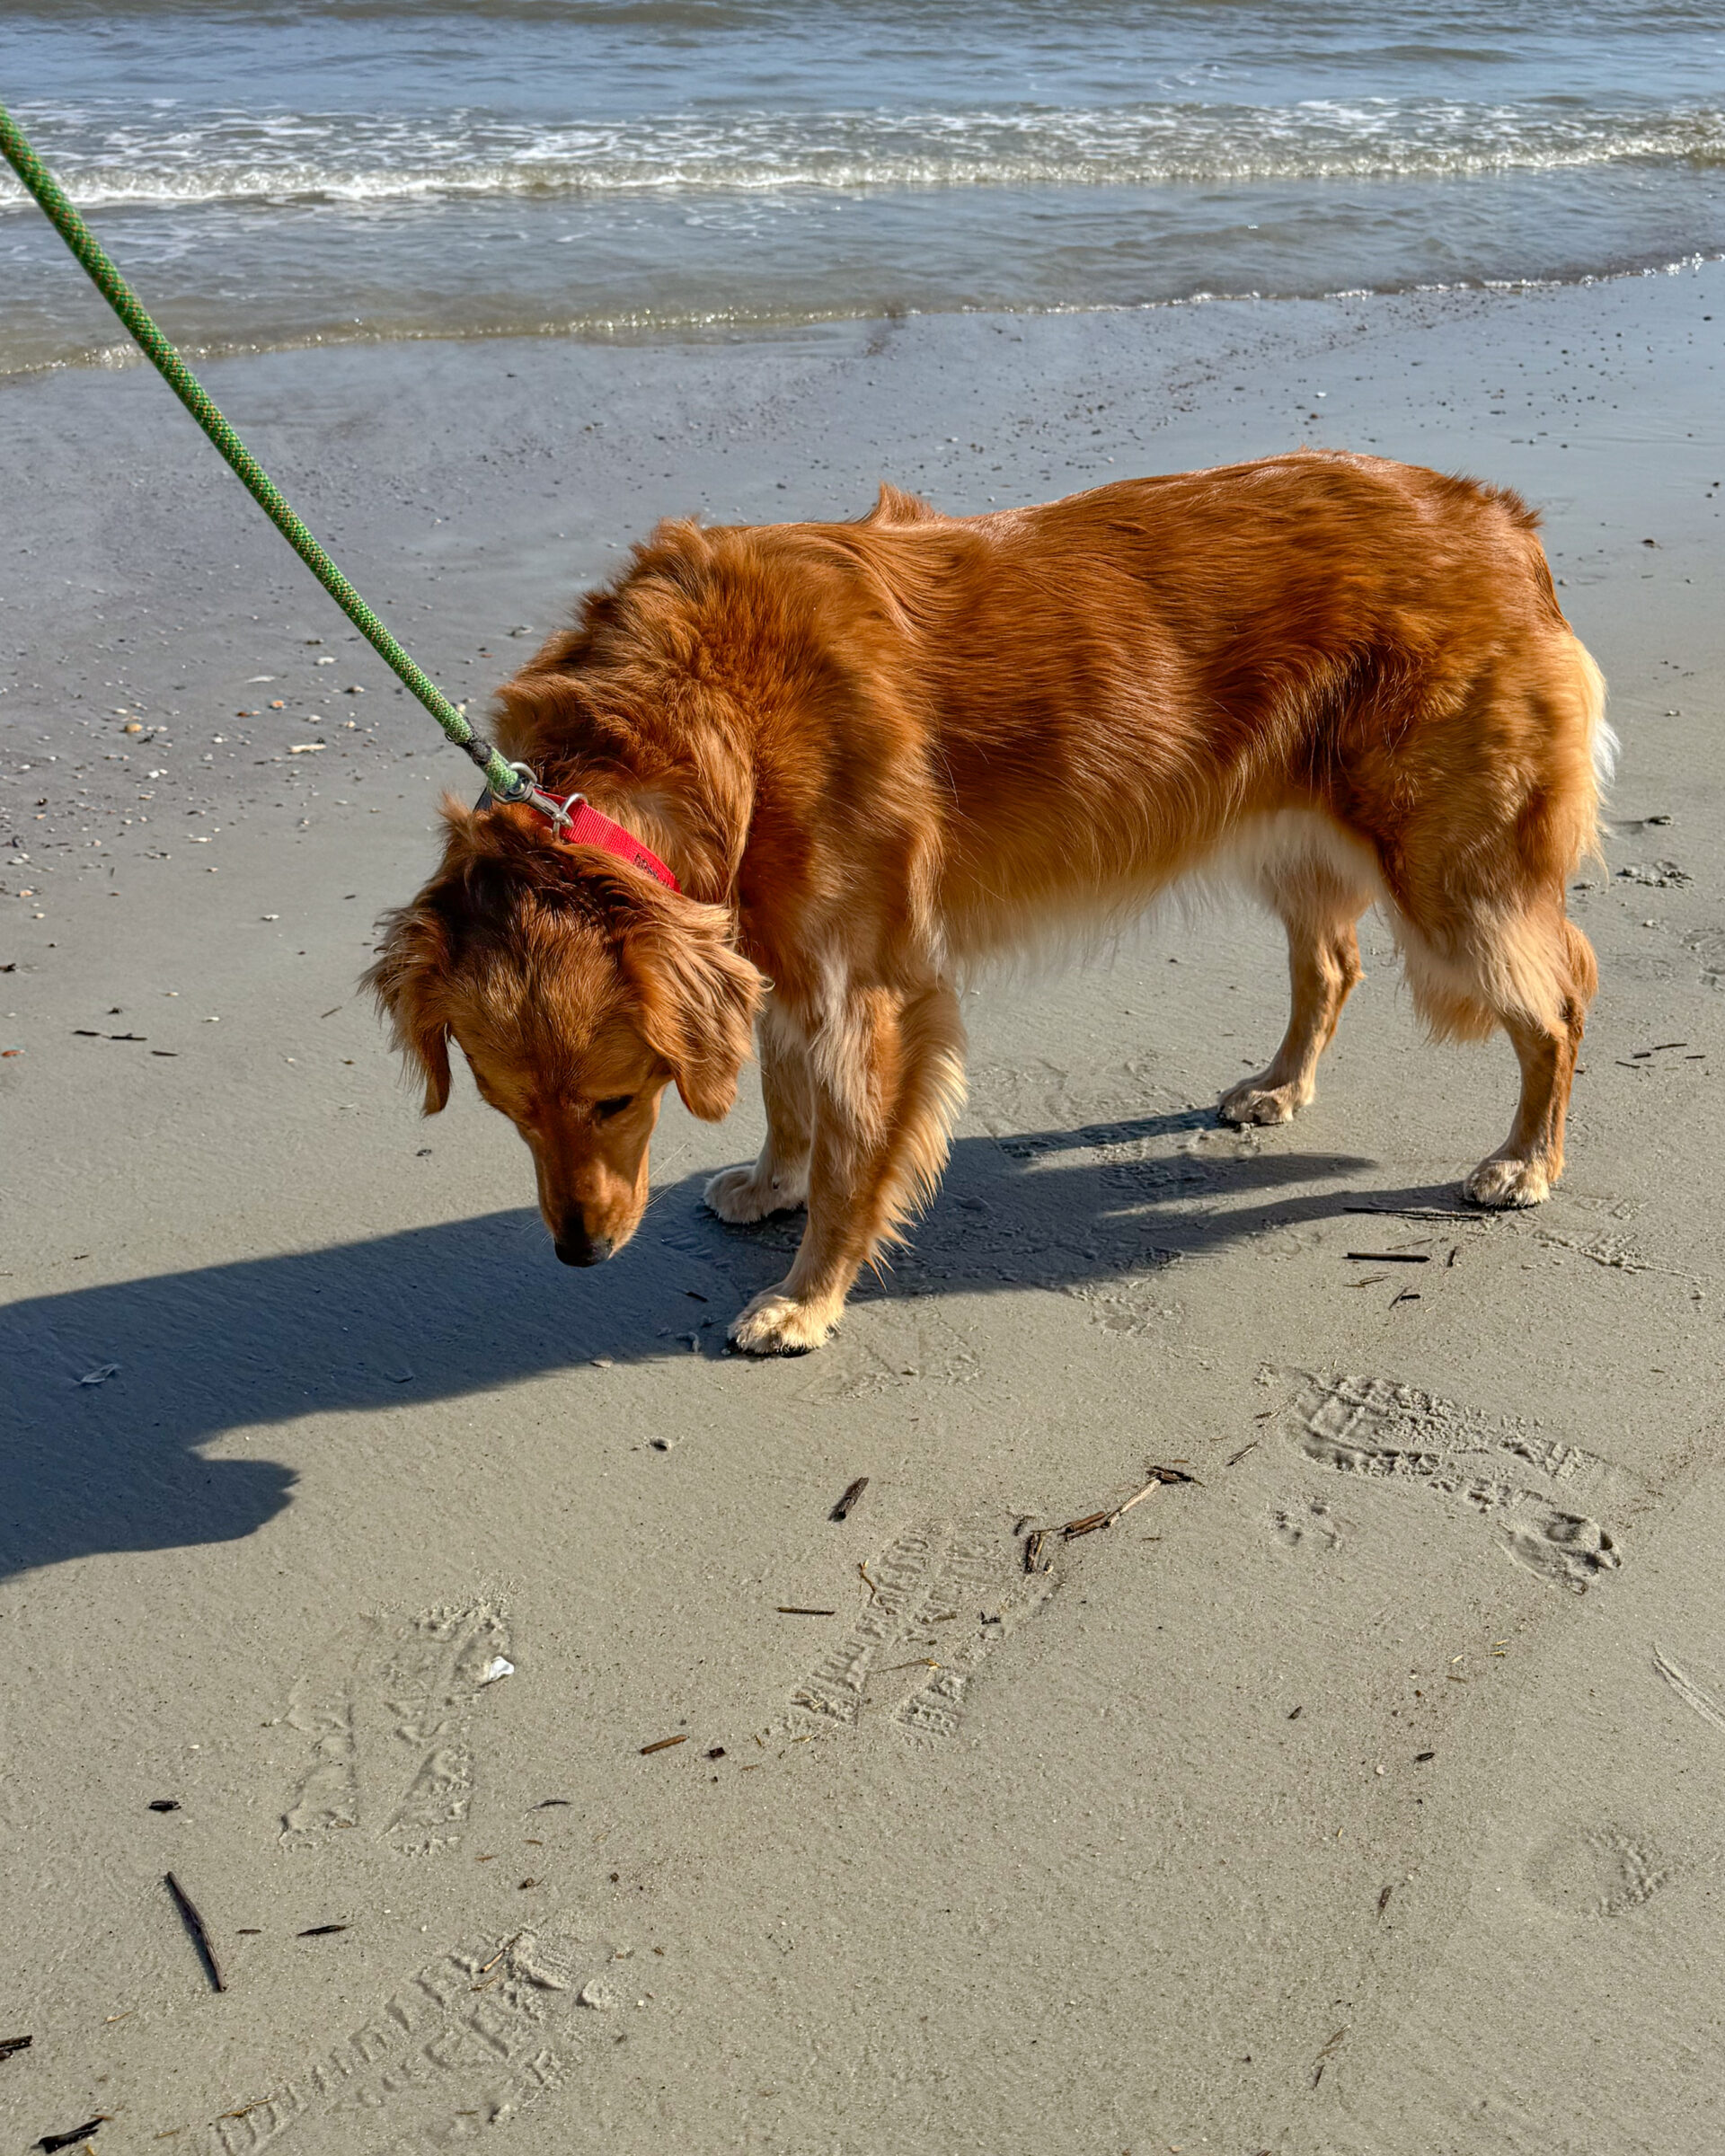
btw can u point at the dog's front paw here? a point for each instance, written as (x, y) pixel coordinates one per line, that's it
(1500, 1183)
(740, 1195)
(1256, 1102)
(775, 1323)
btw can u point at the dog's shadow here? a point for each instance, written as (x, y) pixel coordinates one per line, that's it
(92, 1464)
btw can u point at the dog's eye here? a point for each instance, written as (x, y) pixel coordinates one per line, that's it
(615, 1106)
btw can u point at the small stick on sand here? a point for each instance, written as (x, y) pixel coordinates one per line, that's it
(1033, 1549)
(1325, 2055)
(1475, 1220)
(843, 1508)
(1094, 1521)
(789, 1609)
(489, 1979)
(10, 2046)
(664, 1745)
(194, 1923)
(319, 1930)
(1091, 1522)
(50, 2141)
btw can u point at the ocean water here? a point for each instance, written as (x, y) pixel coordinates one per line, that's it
(289, 171)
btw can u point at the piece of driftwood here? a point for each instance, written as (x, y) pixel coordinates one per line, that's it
(51, 2142)
(842, 1510)
(194, 1924)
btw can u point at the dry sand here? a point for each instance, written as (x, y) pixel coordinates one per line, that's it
(1358, 1796)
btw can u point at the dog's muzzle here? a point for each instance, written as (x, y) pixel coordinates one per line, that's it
(581, 1249)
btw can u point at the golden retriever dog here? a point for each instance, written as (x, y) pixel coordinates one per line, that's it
(873, 754)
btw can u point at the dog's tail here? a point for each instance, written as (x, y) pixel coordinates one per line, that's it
(1601, 744)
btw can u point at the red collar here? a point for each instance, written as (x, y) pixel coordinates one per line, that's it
(580, 824)
(577, 823)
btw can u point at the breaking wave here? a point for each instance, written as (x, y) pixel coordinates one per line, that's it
(285, 159)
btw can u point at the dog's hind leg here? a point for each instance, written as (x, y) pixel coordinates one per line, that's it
(778, 1181)
(1479, 885)
(1533, 974)
(1319, 907)
(887, 1081)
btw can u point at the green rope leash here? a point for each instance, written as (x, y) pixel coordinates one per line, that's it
(507, 784)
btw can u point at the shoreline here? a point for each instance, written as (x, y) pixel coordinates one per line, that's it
(1349, 1770)
(767, 328)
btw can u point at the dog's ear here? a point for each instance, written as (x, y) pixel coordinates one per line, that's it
(695, 999)
(412, 959)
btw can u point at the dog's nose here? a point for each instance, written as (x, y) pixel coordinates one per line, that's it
(578, 1247)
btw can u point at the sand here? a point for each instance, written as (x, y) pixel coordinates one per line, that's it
(1358, 1795)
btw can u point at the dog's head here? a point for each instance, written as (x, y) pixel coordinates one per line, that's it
(576, 989)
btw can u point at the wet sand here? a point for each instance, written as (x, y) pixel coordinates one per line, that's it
(1357, 1796)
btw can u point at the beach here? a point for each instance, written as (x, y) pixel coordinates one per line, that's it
(470, 1638)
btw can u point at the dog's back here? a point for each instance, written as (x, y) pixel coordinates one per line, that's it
(1059, 709)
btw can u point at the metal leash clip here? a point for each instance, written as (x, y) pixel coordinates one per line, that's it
(559, 810)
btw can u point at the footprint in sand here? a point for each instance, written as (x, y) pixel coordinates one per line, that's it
(1597, 1871)
(388, 1712)
(1038, 1106)
(934, 1605)
(470, 2041)
(1308, 1526)
(902, 1343)
(1371, 1427)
